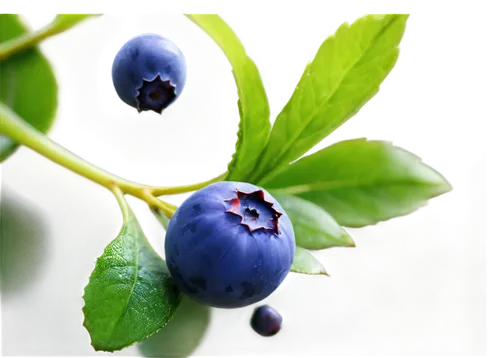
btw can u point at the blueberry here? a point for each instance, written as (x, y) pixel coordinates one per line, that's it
(149, 72)
(266, 321)
(229, 245)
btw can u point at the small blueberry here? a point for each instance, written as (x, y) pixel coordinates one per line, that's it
(266, 321)
(149, 72)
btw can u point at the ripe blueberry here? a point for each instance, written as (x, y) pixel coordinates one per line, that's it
(149, 72)
(266, 321)
(229, 245)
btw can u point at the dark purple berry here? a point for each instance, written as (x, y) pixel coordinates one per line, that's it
(229, 245)
(266, 321)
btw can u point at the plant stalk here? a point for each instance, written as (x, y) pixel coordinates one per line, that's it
(18, 130)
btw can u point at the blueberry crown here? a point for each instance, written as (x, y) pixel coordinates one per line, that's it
(255, 211)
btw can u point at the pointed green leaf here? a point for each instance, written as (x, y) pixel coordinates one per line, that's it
(63, 22)
(27, 84)
(305, 262)
(130, 295)
(346, 72)
(361, 182)
(314, 228)
(254, 125)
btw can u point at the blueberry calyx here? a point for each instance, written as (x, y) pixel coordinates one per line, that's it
(155, 95)
(255, 212)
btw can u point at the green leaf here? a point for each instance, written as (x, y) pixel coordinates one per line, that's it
(237, 134)
(182, 335)
(305, 262)
(130, 295)
(27, 84)
(344, 75)
(254, 125)
(314, 228)
(361, 182)
(60, 24)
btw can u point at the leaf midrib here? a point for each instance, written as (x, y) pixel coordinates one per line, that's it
(339, 184)
(136, 274)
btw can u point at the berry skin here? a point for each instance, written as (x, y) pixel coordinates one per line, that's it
(149, 72)
(229, 245)
(266, 321)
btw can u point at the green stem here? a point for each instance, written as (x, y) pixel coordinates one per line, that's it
(60, 24)
(23, 133)
(163, 190)
(167, 208)
(27, 40)
(121, 201)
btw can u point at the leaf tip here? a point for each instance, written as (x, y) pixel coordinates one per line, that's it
(351, 243)
(325, 274)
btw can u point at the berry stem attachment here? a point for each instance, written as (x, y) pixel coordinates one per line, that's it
(155, 203)
(18, 130)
